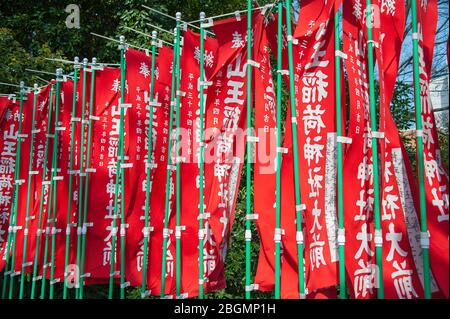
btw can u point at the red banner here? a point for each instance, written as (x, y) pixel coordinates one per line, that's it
(399, 222)
(436, 177)
(314, 81)
(104, 152)
(8, 146)
(357, 169)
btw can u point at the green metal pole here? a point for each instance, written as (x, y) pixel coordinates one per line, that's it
(81, 174)
(279, 157)
(373, 123)
(13, 216)
(340, 207)
(169, 169)
(119, 175)
(86, 181)
(54, 180)
(420, 165)
(76, 67)
(201, 168)
(298, 206)
(45, 183)
(146, 231)
(248, 184)
(30, 173)
(177, 161)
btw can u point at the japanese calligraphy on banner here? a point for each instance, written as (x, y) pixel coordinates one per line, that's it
(104, 151)
(138, 80)
(62, 183)
(314, 80)
(399, 222)
(42, 158)
(189, 168)
(358, 188)
(13, 117)
(8, 147)
(161, 133)
(265, 164)
(436, 177)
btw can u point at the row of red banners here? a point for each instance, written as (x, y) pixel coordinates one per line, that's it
(92, 191)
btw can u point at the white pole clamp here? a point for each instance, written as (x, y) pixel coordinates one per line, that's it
(252, 139)
(415, 36)
(252, 287)
(253, 63)
(125, 105)
(208, 24)
(374, 43)
(340, 54)
(60, 128)
(94, 118)
(248, 235)
(419, 133)
(278, 233)
(178, 230)
(167, 232)
(299, 237)
(252, 216)
(377, 134)
(290, 38)
(237, 14)
(341, 237)
(283, 72)
(19, 181)
(378, 238)
(125, 285)
(91, 170)
(123, 228)
(344, 139)
(294, 119)
(282, 150)
(300, 208)
(154, 103)
(203, 216)
(424, 240)
(126, 165)
(201, 234)
(33, 172)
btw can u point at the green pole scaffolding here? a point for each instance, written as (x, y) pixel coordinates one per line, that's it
(201, 168)
(248, 184)
(378, 238)
(279, 157)
(425, 242)
(148, 167)
(340, 140)
(166, 231)
(54, 180)
(298, 206)
(81, 174)
(27, 209)
(45, 183)
(119, 178)
(76, 67)
(86, 181)
(177, 161)
(13, 216)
